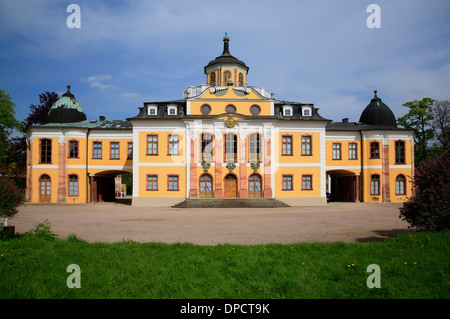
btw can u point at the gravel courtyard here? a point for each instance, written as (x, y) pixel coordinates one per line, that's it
(115, 222)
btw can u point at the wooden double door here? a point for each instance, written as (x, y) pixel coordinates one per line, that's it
(230, 186)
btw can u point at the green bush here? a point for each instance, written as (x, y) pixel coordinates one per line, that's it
(43, 230)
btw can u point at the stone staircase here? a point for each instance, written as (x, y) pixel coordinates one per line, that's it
(230, 203)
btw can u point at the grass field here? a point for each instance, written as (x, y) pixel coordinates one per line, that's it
(34, 265)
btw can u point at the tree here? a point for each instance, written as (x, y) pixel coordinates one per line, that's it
(7, 122)
(39, 113)
(441, 122)
(429, 207)
(419, 118)
(16, 154)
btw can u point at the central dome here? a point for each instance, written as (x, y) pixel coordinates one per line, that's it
(378, 113)
(226, 57)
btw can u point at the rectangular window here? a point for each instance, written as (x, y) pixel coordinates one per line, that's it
(173, 182)
(287, 182)
(375, 185)
(254, 148)
(152, 144)
(306, 145)
(207, 148)
(173, 145)
(352, 154)
(97, 149)
(46, 151)
(130, 150)
(336, 151)
(152, 182)
(73, 185)
(399, 152)
(114, 150)
(230, 148)
(374, 150)
(287, 145)
(73, 149)
(307, 182)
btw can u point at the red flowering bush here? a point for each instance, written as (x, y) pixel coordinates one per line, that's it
(429, 207)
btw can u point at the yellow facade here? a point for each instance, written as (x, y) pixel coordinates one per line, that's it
(224, 139)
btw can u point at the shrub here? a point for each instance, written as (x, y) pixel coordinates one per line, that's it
(429, 207)
(43, 230)
(11, 196)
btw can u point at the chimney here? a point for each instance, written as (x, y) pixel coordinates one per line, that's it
(345, 120)
(101, 118)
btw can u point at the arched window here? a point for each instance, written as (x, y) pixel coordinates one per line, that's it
(212, 79)
(227, 78)
(400, 182)
(45, 188)
(254, 186)
(241, 79)
(206, 186)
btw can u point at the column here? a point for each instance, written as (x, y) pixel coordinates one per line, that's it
(243, 188)
(62, 180)
(193, 192)
(268, 163)
(385, 172)
(218, 158)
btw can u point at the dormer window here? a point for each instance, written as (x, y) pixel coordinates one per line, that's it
(152, 110)
(287, 110)
(306, 111)
(172, 110)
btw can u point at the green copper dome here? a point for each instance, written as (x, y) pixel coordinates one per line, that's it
(66, 110)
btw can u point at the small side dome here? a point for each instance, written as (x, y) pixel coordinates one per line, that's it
(378, 113)
(66, 110)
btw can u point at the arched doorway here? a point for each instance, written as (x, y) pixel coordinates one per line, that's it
(343, 186)
(254, 186)
(230, 186)
(45, 188)
(206, 186)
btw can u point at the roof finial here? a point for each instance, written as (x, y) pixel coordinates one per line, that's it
(68, 88)
(375, 91)
(226, 48)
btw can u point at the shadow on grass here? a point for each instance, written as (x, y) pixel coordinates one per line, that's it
(382, 235)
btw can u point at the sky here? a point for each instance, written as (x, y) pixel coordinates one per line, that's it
(129, 52)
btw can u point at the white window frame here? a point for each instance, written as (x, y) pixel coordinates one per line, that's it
(288, 108)
(170, 108)
(150, 108)
(307, 108)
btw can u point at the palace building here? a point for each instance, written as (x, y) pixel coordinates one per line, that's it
(223, 139)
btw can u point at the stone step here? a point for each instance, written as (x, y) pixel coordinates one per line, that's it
(230, 203)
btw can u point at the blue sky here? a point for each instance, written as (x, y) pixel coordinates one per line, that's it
(320, 52)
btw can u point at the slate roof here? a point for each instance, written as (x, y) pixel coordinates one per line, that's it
(93, 125)
(358, 126)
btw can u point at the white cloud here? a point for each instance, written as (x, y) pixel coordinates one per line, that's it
(129, 94)
(96, 81)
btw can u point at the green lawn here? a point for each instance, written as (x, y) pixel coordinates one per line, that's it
(413, 265)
